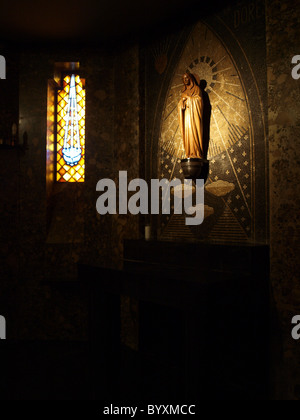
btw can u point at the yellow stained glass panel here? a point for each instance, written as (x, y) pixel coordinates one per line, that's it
(70, 131)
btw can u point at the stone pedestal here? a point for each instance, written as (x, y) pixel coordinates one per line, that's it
(194, 168)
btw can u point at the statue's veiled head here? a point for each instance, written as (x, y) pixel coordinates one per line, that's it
(190, 84)
(187, 80)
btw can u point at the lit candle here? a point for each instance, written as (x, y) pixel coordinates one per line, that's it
(148, 233)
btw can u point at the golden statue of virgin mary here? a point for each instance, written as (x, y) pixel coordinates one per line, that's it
(190, 110)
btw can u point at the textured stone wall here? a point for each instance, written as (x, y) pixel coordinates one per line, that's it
(126, 158)
(283, 22)
(47, 230)
(9, 91)
(9, 189)
(126, 135)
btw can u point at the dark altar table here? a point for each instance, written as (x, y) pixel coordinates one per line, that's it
(203, 323)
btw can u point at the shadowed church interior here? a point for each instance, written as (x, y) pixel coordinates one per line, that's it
(145, 308)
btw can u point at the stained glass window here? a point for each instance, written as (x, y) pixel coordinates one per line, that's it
(70, 150)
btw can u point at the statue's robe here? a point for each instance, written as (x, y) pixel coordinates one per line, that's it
(190, 110)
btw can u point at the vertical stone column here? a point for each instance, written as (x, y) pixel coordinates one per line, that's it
(126, 138)
(126, 158)
(283, 21)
